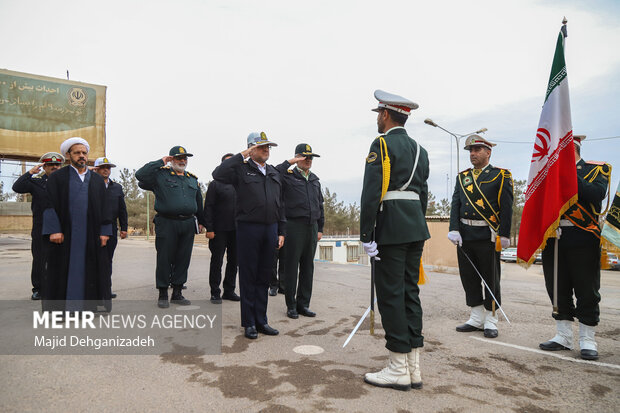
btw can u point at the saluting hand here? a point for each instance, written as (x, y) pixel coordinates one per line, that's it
(35, 169)
(296, 159)
(280, 241)
(167, 159)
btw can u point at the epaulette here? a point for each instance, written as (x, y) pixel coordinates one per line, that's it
(290, 171)
(596, 162)
(165, 167)
(465, 170)
(39, 175)
(192, 175)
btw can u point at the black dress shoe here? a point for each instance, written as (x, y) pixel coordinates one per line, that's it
(292, 314)
(162, 302)
(552, 346)
(251, 333)
(273, 291)
(490, 333)
(35, 296)
(466, 328)
(268, 330)
(306, 312)
(113, 295)
(589, 354)
(231, 297)
(215, 299)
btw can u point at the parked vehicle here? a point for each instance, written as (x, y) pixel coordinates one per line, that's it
(509, 255)
(612, 260)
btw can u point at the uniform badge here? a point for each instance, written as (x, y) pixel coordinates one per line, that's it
(181, 150)
(263, 136)
(308, 148)
(480, 203)
(372, 156)
(467, 181)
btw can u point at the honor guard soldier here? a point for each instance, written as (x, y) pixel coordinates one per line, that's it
(393, 229)
(260, 226)
(34, 183)
(579, 255)
(116, 205)
(178, 203)
(481, 212)
(304, 228)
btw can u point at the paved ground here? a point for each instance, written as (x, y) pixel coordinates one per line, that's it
(461, 372)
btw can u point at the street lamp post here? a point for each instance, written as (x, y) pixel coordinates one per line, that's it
(457, 138)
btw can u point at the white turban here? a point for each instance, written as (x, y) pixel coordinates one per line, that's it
(66, 145)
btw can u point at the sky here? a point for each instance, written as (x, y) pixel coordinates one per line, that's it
(204, 74)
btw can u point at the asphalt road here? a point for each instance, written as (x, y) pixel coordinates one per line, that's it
(462, 372)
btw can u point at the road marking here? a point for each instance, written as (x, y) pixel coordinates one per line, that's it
(548, 353)
(308, 350)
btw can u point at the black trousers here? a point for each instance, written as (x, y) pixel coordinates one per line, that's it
(396, 281)
(579, 272)
(38, 260)
(277, 274)
(174, 242)
(257, 242)
(111, 247)
(301, 240)
(223, 242)
(483, 255)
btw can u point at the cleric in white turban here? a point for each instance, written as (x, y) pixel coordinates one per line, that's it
(66, 145)
(76, 226)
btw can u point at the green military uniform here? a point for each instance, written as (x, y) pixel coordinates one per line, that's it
(579, 248)
(482, 201)
(178, 203)
(400, 230)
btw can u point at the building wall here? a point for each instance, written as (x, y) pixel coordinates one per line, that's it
(438, 250)
(15, 217)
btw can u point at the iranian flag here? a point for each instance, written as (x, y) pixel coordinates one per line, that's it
(552, 182)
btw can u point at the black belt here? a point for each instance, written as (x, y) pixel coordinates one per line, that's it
(177, 217)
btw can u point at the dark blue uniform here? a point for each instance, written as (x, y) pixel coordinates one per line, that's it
(35, 185)
(304, 220)
(260, 219)
(219, 212)
(118, 212)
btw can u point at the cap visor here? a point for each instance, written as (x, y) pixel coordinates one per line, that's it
(266, 143)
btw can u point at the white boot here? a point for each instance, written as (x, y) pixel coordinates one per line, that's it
(587, 344)
(475, 322)
(490, 324)
(395, 375)
(563, 339)
(413, 363)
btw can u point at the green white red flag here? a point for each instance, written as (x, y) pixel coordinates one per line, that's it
(552, 181)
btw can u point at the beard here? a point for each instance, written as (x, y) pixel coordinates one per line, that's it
(178, 168)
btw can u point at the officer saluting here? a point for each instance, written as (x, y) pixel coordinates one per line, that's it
(178, 202)
(579, 254)
(481, 210)
(304, 228)
(260, 226)
(34, 183)
(393, 205)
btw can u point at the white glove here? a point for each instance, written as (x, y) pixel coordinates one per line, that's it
(505, 242)
(371, 249)
(455, 237)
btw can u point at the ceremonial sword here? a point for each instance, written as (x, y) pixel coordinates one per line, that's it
(357, 326)
(459, 248)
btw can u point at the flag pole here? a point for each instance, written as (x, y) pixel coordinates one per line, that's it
(558, 231)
